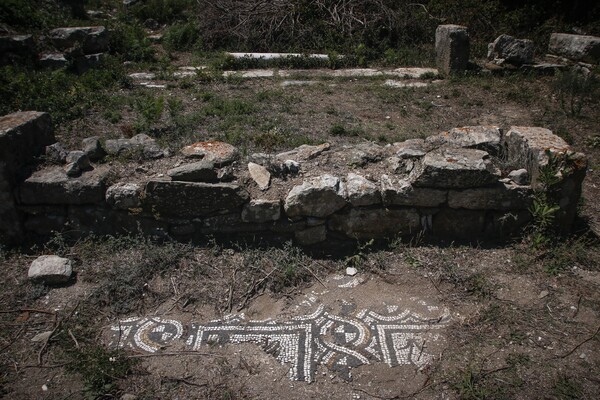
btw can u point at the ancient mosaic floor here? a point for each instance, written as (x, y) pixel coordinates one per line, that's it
(339, 340)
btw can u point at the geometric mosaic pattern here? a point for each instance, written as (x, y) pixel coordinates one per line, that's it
(338, 342)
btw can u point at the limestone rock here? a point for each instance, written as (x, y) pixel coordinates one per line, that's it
(362, 223)
(304, 153)
(507, 49)
(56, 153)
(201, 171)
(453, 168)
(139, 143)
(93, 148)
(291, 167)
(260, 175)
(361, 191)
(310, 236)
(362, 154)
(53, 186)
(519, 176)
(77, 162)
(485, 138)
(452, 48)
(192, 199)
(16, 48)
(501, 196)
(261, 211)
(411, 148)
(317, 197)
(50, 269)
(219, 153)
(402, 193)
(575, 47)
(92, 39)
(124, 195)
(528, 147)
(53, 60)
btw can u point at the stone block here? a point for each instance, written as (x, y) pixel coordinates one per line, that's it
(17, 48)
(532, 147)
(261, 211)
(91, 39)
(361, 191)
(53, 186)
(201, 171)
(486, 138)
(219, 153)
(452, 48)
(192, 199)
(124, 195)
(361, 223)
(575, 47)
(310, 236)
(399, 192)
(85, 219)
(43, 220)
(454, 168)
(51, 269)
(23, 136)
(316, 197)
(501, 196)
(507, 49)
(459, 224)
(93, 148)
(53, 61)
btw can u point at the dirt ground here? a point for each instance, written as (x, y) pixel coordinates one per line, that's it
(524, 322)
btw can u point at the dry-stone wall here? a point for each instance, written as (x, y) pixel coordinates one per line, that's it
(469, 183)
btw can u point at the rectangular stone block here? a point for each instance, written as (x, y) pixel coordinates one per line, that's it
(23, 136)
(502, 196)
(53, 186)
(376, 223)
(452, 48)
(192, 199)
(575, 47)
(402, 193)
(454, 168)
(459, 224)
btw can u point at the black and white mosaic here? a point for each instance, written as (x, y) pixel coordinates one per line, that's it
(339, 342)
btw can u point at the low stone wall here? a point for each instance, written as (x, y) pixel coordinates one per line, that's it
(471, 183)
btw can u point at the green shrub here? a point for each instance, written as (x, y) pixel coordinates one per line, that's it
(163, 11)
(130, 43)
(64, 95)
(183, 37)
(575, 90)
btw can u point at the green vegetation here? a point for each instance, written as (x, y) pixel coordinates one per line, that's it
(575, 90)
(64, 95)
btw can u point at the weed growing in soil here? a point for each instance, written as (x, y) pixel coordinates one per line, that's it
(575, 90)
(125, 282)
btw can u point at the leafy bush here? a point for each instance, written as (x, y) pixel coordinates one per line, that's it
(183, 37)
(575, 90)
(163, 11)
(129, 42)
(64, 95)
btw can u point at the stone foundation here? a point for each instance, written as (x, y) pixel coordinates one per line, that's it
(471, 183)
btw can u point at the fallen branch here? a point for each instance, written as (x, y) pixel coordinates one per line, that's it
(580, 344)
